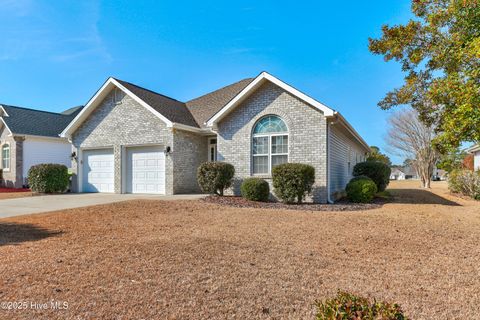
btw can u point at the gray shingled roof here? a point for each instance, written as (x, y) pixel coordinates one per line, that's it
(173, 110)
(204, 107)
(36, 122)
(194, 112)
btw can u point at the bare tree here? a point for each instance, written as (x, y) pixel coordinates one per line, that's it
(411, 138)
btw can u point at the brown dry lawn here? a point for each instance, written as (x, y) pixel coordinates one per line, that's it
(192, 260)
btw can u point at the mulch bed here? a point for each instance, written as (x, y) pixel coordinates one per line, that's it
(344, 205)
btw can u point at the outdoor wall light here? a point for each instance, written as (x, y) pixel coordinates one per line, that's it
(167, 150)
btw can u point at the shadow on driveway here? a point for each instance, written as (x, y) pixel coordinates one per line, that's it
(418, 196)
(15, 233)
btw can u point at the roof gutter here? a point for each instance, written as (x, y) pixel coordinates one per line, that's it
(184, 127)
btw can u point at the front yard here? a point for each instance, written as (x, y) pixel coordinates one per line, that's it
(194, 260)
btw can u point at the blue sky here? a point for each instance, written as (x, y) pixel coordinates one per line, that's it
(56, 54)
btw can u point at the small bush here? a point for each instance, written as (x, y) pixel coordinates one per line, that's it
(379, 172)
(48, 178)
(1, 174)
(215, 177)
(465, 182)
(361, 189)
(255, 189)
(293, 181)
(346, 306)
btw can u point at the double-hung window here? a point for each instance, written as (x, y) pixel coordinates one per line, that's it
(269, 144)
(6, 157)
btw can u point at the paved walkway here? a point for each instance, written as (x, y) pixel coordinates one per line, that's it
(38, 204)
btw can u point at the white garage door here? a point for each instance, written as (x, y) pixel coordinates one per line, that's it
(146, 170)
(98, 171)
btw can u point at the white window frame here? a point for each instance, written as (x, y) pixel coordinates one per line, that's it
(7, 169)
(269, 155)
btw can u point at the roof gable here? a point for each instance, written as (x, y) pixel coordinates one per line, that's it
(172, 109)
(254, 85)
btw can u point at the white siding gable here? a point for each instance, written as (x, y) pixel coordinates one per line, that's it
(38, 150)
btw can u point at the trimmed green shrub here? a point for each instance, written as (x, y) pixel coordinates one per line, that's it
(465, 182)
(215, 177)
(255, 189)
(379, 172)
(1, 174)
(346, 306)
(293, 181)
(48, 178)
(361, 189)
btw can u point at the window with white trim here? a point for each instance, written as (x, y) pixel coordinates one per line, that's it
(6, 157)
(269, 144)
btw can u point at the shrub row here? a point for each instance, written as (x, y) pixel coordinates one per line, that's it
(465, 182)
(291, 181)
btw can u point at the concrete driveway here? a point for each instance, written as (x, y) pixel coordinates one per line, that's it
(39, 204)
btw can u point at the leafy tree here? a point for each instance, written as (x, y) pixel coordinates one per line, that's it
(376, 155)
(439, 51)
(451, 160)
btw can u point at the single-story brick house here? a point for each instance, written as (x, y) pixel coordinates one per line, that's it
(129, 139)
(29, 137)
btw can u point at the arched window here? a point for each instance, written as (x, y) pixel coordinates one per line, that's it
(269, 144)
(6, 157)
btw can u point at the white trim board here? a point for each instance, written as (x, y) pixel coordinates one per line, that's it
(5, 113)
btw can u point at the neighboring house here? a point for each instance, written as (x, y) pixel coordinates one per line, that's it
(410, 172)
(475, 150)
(132, 140)
(397, 174)
(29, 137)
(439, 175)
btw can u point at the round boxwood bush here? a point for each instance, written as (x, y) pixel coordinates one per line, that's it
(48, 178)
(255, 189)
(379, 172)
(215, 177)
(293, 181)
(346, 306)
(361, 189)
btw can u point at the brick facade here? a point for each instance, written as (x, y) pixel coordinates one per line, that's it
(307, 134)
(12, 178)
(119, 122)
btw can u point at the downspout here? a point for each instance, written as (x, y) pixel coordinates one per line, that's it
(329, 198)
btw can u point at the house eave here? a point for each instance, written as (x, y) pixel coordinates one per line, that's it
(338, 116)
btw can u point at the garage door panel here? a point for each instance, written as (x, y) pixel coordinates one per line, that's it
(98, 171)
(146, 170)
